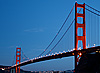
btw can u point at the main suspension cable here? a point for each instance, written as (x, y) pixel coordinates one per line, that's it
(58, 31)
(24, 55)
(13, 61)
(61, 37)
(92, 12)
(93, 8)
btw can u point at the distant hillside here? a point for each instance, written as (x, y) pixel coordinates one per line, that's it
(9, 71)
(1, 66)
(23, 71)
(4, 71)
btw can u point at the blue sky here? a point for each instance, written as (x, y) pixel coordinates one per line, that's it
(31, 25)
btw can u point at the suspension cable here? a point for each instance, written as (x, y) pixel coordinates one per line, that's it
(58, 31)
(13, 60)
(92, 8)
(61, 37)
(92, 12)
(24, 55)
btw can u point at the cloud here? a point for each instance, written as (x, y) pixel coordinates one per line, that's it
(34, 30)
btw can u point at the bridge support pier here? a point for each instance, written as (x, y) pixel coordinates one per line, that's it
(12, 70)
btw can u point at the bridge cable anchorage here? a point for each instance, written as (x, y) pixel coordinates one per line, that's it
(92, 8)
(92, 12)
(58, 31)
(61, 37)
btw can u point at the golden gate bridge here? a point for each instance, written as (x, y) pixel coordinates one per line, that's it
(77, 37)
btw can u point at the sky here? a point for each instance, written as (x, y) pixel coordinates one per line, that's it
(31, 25)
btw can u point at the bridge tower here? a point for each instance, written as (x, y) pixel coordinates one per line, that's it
(18, 58)
(82, 25)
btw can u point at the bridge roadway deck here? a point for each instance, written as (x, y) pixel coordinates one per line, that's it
(55, 56)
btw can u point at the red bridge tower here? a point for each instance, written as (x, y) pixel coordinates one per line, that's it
(82, 25)
(18, 58)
